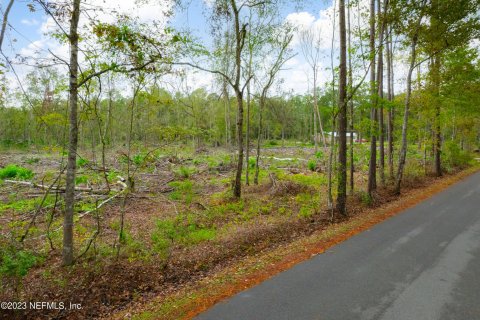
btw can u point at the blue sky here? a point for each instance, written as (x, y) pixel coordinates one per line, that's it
(32, 25)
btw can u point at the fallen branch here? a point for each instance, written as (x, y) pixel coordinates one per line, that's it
(58, 189)
(101, 204)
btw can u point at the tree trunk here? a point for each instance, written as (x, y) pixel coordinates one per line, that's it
(249, 73)
(390, 110)
(259, 138)
(403, 150)
(372, 166)
(240, 41)
(380, 89)
(73, 139)
(438, 134)
(342, 116)
(4, 22)
(350, 103)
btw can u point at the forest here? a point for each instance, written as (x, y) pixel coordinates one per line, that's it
(142, 159)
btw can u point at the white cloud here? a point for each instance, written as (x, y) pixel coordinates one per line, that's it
(29, 22)
(34, 49)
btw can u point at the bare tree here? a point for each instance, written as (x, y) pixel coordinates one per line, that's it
(310, 46)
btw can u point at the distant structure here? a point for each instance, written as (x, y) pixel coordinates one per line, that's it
(328, 136)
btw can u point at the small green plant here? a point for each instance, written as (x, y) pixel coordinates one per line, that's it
(16, 263)
(306, 211)
(183, 190)
(312, 164)
(251, 163)
(12, 171)
(33, 160)
(319, 155)
(366, 198)
(82, 162)
(81, 179)
(184, 172)
(168, 232)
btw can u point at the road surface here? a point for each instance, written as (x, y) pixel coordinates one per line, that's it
(423, 264)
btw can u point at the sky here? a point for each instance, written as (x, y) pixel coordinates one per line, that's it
(27, 35)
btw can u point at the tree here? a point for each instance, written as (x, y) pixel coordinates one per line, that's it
(72, 137)
(416, 14)
(4, 22)
(279, 40)
(342, 115)
(372, 165)
(310, 46)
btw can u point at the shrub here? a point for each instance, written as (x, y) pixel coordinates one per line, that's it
(251, 163)
(13, 171)
(312, 165)
(272, 143)
(16, 263)
(366, 198)
(454, 156)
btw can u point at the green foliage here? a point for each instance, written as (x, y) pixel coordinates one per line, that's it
(81, 179)
(183, 230)
(82, 162)
(16, 263)
(184, 172)
(272, 143)
(454, 156)
(312, 180)
(183, 191)
(365, 198)
(12, 171)
(312, 164)
(251, 163)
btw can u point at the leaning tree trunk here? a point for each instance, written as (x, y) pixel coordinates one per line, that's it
(4, 22)
(73, 139)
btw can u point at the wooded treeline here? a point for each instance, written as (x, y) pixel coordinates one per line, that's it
(117, 97)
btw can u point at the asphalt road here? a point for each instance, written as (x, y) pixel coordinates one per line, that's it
(419, 265)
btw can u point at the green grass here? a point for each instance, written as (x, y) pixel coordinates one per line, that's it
(312, 180)
(12, 171)
(184, 172)
(168, 232)
(184, 191)
(25, 205)
(16, 263)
